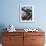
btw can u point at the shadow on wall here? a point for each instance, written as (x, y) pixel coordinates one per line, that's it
(2, 26)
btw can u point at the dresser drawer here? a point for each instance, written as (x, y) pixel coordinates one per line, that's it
(12, 39)
(13, 33)
(37, 39)
(34, 33)
(8, 45)
(13, 44)
(37, 45)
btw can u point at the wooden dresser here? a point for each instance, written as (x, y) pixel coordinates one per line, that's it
(23, 39)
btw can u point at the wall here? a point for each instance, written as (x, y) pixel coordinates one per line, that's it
(9, 13)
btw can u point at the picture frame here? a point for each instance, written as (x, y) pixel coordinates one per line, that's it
(26, 13)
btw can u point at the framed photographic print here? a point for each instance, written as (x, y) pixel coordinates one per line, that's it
(26, 13)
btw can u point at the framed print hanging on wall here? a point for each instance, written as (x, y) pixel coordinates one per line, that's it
(26, 13)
